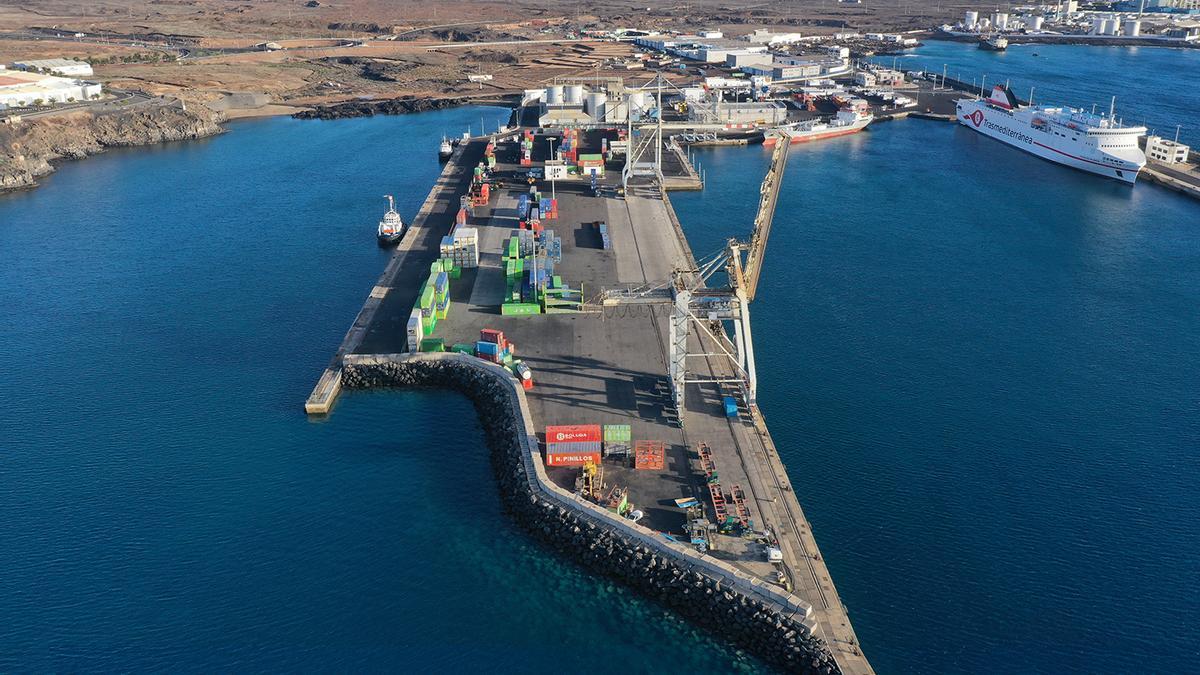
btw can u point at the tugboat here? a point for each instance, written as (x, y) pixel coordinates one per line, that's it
(391, 228)
(445, 150)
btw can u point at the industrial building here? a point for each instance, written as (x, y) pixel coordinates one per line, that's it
(571, 104)
(20, 89)
(65, 67)
(768, 113)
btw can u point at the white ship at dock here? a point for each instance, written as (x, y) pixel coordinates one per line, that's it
(847, 121)
(1076, 138)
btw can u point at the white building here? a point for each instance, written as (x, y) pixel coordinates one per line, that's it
(1167, 152)
(764, 36)
(745, 57)
(67, 67)
(20, 89)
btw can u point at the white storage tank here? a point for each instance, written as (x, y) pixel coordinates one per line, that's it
(574, 94)
(639, 101)
(1000, 20)
(1033, 22)
(554, 94)
(1110, 27)
(1133, 28)
(970, 19)
(597, 101)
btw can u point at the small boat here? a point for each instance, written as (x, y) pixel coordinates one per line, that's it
(445, 150)
(391, 228)
(995, 43)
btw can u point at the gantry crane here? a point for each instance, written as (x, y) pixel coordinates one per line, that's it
(710, 309)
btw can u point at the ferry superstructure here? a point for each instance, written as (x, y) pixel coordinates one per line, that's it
(1076, 138)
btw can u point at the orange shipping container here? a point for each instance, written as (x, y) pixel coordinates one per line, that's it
(648, 455)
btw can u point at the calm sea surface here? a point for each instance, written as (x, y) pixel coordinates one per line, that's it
(982, 375)
(1158, 87)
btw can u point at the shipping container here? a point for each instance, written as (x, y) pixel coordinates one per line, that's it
(572, 454)
(433, 345)
(648, 455)
(731, 408)
(574, 433)
(463, 349)
(617, 433)
(488, 348)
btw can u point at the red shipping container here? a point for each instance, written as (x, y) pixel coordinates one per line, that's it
(491, 335)
(571, 458)
(578, 433)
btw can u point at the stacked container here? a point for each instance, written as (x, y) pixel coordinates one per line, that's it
(461, 248)
(573, 445)
(605, 239)
(415, 330)
(441, 293)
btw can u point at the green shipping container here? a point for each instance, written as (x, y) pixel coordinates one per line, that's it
(455, 272)
(426, 298)
(617, 433)
(432, 344)
(520, 309)
(463, 349)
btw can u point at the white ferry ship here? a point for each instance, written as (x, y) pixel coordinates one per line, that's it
(1076, 138)
(847, 121)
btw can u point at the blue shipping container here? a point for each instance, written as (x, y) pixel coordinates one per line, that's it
(730, 406)
(482, 347)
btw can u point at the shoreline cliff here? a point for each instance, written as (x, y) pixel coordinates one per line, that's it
(30, 148)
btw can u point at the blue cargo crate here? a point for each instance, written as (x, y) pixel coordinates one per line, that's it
(490, 348)
(731, 408)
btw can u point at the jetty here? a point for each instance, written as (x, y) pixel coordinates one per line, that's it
(688, 501)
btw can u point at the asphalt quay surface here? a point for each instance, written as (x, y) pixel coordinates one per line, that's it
(610, 367)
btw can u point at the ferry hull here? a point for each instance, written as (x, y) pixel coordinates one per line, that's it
(976, 119)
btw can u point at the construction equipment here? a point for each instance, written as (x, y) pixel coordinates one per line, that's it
(590, 482)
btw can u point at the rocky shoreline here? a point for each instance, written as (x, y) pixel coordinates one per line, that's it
(29, 148)
(777, 637)
(392, 106)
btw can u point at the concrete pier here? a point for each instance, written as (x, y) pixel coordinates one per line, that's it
(610, 367)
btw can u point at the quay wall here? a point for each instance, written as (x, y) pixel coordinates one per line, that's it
(763, 619)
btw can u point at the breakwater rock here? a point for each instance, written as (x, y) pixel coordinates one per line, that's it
(390, 106)
(29, 148)
(779, 636)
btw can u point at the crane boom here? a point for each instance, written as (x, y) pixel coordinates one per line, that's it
(768, 198)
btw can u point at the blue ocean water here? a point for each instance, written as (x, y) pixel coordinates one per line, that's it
(165, 503)
(983, 380)
(1158, 87)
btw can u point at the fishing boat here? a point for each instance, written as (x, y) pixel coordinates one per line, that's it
(391, 228)
(445, 150)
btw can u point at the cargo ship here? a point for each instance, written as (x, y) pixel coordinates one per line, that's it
(391, 228)
(995, 43)
(445, 150)
(847, 121)
(1076, 138)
